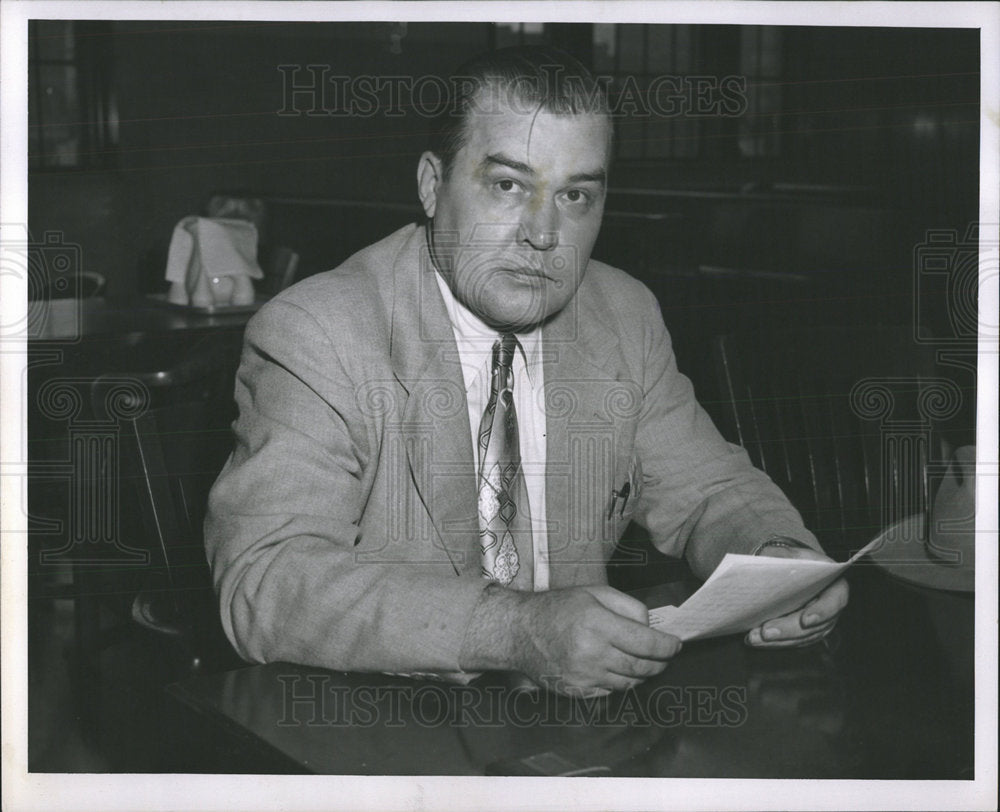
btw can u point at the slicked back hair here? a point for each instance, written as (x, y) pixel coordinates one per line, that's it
(534, 77)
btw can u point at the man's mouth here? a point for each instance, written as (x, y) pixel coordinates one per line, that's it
(525, 270)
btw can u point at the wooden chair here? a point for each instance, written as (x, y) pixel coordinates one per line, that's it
(83, 285)
(840, 418)
(171, 457)
(145, 454)
(280, 266)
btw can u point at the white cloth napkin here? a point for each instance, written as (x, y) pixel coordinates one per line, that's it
(212, 261)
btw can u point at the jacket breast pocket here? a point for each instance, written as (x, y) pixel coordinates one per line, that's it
(625, 492)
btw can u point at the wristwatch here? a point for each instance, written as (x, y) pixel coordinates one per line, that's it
(780, 541)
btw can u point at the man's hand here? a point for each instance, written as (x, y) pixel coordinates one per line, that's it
(591, 640)
(807, 625)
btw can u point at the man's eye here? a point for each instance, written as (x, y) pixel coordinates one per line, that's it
(506, 185)
(577, 196)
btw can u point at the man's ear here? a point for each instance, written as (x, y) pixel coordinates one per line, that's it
(429, 179)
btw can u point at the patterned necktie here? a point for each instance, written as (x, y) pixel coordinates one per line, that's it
(504, 520)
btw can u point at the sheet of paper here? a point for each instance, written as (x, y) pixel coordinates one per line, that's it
(746, 590)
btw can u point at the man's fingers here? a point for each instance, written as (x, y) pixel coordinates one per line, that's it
(627, 665)
(787, 631)
(596, 685)
(625, 626)
(827, 605)
(641, 641)
(811, 623)
(790, 627)
(579, 692)
(617, 682)
(620, 603)
(755, 640)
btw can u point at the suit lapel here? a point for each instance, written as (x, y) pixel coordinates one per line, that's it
(591, 410)
(434, 421)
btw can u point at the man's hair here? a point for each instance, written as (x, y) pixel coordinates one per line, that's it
(542, 77)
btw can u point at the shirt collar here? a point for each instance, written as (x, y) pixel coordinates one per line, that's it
(476, 338)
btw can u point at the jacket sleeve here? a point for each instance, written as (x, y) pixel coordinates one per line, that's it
(284, 516)
(701, 496)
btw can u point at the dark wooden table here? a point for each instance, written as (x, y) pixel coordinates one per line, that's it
(68, 321)
(137, 341)
(889, 696)
(82, 353)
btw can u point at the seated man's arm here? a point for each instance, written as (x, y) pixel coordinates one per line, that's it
(284, 518)
(703, 498)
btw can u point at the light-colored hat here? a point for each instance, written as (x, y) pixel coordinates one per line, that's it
(938, 551)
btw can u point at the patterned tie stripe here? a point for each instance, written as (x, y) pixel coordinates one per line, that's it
(503, 506)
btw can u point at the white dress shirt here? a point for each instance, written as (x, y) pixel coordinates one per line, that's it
(475, 340)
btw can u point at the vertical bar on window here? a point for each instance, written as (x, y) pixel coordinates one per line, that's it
(670, 126)
(92, 79)
(618, 50)
(747, 134)
(617, 75)
(646, 127)
(779, 88)
(696, 61)
(761, 139)
(102, 83)
(35, 73)
(698, 130)
(756, 125)
(86, 80)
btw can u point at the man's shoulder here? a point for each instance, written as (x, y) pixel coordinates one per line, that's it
(608, 286)
(362, 272)
(611, 297)
(353, 293)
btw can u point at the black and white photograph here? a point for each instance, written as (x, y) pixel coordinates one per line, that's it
(499, 405)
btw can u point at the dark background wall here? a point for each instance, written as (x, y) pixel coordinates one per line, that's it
(198, 105)
(877, 141)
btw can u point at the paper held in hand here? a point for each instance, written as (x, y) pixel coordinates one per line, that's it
(746, 590)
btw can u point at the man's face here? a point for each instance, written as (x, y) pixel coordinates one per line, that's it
(516, 219)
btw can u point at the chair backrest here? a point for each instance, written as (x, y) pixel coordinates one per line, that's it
(839, 418)
(178, 454)
(171, 457)
(280, 266)
(82, 285)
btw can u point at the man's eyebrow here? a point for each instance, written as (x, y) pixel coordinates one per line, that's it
(600, 176)
(499, 159)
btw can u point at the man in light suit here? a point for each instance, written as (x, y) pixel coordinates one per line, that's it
(356, 519)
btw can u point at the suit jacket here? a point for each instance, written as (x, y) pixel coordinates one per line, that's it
(343, 531)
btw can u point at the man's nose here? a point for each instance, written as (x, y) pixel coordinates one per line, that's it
(540, 228)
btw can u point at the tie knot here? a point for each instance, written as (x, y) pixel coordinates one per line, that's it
(503, 351)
